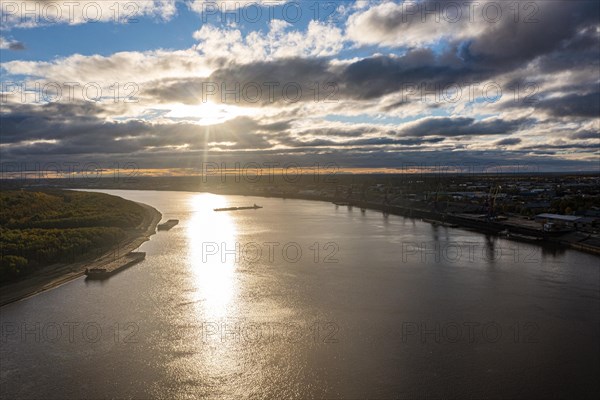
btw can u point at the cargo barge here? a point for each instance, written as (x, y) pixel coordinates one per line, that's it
(519, 237)
(168, 225)
(254, 207)
(439, 223)
(114, 267)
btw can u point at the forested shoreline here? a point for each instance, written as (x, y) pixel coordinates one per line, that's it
(44, 227)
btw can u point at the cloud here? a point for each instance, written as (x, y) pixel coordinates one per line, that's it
(508, 142)
(406, 24)
(495, 30)
(71, 133)
(302, 79)
(319, 40)
(73, 129)
(394, 52)
(131, 66)
(35, 13)
(211, 7)
(586, 134)
(461, 126)
(372, 142)
(580, 105)
(552, 26)
(7, 44)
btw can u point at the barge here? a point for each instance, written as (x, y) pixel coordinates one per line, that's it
(114, 267)
(168, 225)
(341, 203)
(254, 207)
(440, 223)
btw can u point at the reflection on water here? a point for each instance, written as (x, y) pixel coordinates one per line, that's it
(192, 321)
(212, 238)
(213, 292)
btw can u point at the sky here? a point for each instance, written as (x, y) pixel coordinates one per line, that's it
(365, 85)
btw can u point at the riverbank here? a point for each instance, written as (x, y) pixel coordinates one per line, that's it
(520, 230)
(58, 274)
(525, 230)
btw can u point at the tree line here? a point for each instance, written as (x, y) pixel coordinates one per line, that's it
(40, 228)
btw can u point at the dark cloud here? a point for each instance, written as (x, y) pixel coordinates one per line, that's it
(372, 142)
(340, 132)
(580, 105)
(284, 81)
(508, 142)
(487, 34)
(179, 90)
(545, 26)
(349, 157)
(564, 40)
(16, 46)
(296, 80)
(557, 36)
(564, 146)
(579, 52)
(11, 44)
(75, 132)
(462, 126)
(586, 134)
(376, 76)
(79, 136)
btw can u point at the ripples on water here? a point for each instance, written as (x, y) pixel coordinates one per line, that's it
(382, 318)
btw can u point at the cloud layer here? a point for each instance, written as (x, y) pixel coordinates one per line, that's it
(380, 85)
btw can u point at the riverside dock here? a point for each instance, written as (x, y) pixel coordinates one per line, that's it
(516, 230)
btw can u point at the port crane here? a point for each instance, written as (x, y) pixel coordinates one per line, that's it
(437, 196)
(363, 196)
(363, 192)
(491, 202)
(386, 201)
(386, 196)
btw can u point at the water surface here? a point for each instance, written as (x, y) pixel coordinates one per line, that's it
(317, 301)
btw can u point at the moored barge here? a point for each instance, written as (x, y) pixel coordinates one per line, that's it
(114, 267)
(168, 225)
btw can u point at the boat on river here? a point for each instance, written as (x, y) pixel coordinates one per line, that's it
(168, 225)
(254, 207)
(114, 267)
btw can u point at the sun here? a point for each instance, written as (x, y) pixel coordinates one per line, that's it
(208, 113)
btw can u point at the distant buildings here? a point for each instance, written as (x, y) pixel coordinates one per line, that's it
(558, 222)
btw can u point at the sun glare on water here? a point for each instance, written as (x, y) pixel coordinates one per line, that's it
(210, 234)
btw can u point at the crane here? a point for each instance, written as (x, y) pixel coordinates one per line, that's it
(491, 202)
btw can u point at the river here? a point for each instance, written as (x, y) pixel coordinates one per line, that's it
(305, 299)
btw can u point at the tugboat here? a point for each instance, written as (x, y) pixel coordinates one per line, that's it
(96, 273)
(168, 225)
(519, 237)
(254, 207)
(430, 221)
(449, 225)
